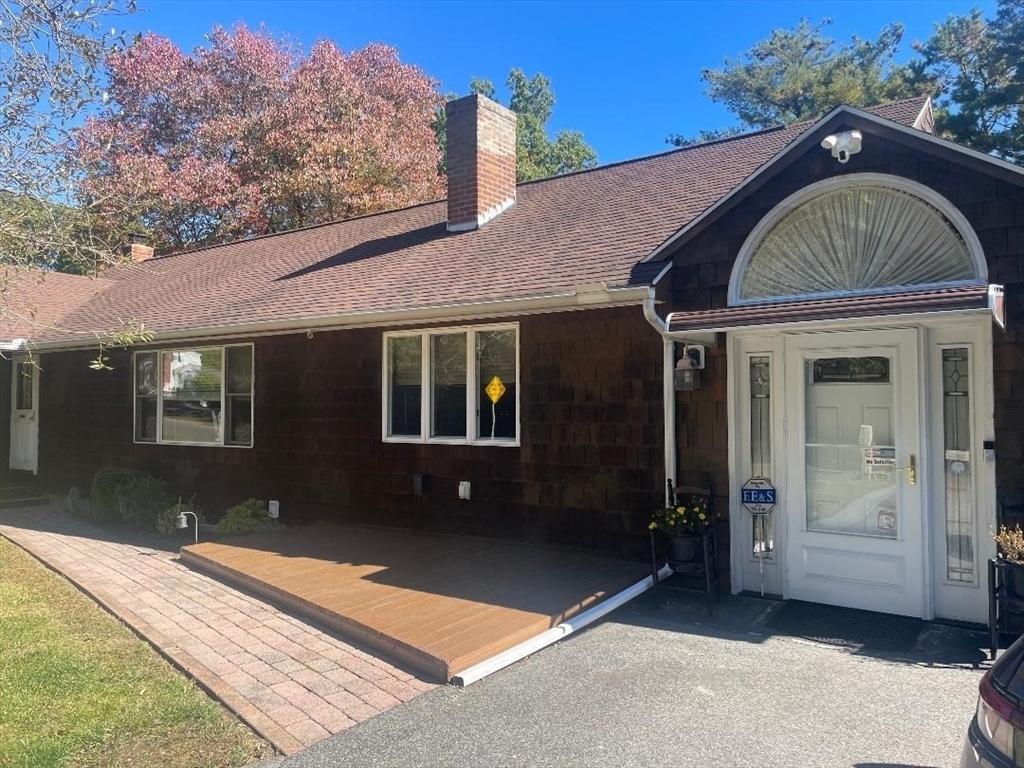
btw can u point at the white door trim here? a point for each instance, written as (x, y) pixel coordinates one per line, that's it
(745, 567)
(945, 329)
(964, 601)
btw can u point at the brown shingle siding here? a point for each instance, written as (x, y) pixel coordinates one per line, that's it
(587, 472)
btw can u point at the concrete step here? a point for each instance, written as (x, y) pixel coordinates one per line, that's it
(18, 493)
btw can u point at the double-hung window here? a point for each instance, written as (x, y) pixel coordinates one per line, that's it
(195, 396)
(452, 385)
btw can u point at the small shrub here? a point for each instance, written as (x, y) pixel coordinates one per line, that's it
(167, 521)
(247, 517)
(105, 484)
(142, 498)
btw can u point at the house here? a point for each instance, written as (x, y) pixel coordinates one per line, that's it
(833, 308)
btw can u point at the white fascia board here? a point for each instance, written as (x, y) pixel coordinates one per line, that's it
(926, 111)
(799, 140)
(937, 141)
(588, 298)
(657, 279)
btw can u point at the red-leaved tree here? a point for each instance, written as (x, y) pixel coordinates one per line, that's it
(248, 135)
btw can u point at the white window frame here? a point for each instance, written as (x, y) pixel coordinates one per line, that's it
(160, 395)
(426, 390)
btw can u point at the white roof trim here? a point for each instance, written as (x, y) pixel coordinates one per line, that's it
(860, 320)
(926, 111)
(939, 142)
(913, 132)
(657, 279)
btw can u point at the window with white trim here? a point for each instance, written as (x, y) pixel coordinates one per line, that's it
(195, 396)
(452, 385)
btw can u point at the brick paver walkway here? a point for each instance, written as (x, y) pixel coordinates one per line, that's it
(291, 682)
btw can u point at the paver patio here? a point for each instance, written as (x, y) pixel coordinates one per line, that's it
(291, 682)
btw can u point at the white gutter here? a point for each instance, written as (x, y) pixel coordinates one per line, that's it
(871, 321)
(12, 346)
(566, 628)
(668, 393)
(593, 296)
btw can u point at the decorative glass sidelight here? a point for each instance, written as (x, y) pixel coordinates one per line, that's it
(957, 464)
(761, 447)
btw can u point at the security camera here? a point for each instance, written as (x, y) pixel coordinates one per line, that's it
(843, 145)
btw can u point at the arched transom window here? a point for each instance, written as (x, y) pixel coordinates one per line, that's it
(857, 234)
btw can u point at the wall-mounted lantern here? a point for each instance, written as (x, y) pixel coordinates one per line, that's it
(688, 368)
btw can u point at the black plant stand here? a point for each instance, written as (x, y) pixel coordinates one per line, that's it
(1005, 601)
(706, 566)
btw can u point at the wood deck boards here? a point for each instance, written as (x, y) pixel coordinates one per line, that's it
(440, 603)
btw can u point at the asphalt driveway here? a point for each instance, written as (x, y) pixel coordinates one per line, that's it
(660, 685)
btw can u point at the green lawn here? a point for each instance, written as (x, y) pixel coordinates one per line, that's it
(77, 688)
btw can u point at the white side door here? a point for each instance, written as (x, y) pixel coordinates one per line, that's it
(24, 414)
(855, 528)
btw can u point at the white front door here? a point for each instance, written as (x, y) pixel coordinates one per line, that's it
(24, 414)
(855, 529)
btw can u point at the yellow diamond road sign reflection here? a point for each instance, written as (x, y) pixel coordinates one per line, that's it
(495, 390)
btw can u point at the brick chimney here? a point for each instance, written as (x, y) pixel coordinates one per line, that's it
(139, 248)
(481, 161)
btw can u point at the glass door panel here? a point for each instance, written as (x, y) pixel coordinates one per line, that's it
(850, 455)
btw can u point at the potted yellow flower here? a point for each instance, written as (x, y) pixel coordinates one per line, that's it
(1006, 585)
(1010, 545)
(683, 524)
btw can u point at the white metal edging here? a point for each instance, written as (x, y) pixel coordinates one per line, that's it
(553, 635)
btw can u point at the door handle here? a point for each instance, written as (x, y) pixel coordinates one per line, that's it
(910, 469)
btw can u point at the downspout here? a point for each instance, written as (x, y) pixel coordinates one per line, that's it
(668, 389)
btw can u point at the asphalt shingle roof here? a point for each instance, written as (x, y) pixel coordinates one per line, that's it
(581, 228)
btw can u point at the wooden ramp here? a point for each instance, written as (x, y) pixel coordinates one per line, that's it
(438, 603)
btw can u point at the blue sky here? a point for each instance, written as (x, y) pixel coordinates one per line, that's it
(626, 74)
